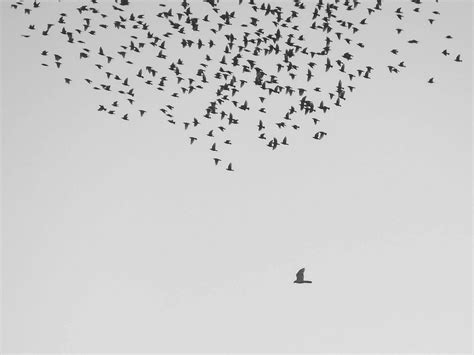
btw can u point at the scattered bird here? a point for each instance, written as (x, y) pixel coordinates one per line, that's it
(319, 135)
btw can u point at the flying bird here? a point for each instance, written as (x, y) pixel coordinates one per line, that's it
(300, 277)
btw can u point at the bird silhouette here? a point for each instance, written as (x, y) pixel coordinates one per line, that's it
(300, 277)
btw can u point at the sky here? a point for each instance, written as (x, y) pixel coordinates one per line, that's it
(118, 236)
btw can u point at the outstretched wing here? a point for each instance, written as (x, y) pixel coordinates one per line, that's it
(300, 275)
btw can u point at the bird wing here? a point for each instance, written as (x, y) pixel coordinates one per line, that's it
(300, 275)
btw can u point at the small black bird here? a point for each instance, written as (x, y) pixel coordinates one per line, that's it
(319, 135)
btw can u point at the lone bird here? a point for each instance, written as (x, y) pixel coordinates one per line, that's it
(300, 278)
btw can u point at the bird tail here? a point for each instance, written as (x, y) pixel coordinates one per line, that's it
(307, 282)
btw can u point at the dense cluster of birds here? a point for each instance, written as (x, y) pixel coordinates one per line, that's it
(231, 55)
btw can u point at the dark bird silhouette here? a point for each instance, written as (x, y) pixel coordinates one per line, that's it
(300, 277)
(319, 135)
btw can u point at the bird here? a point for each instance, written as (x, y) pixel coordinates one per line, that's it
(319, 135)
(300, 277)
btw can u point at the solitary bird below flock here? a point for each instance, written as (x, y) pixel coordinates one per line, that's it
(300, 278)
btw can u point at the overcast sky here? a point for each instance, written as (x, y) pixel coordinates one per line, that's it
(118, 236)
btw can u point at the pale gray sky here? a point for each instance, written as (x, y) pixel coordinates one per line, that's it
(120, 237)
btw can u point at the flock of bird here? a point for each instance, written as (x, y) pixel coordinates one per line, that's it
(232, 56)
